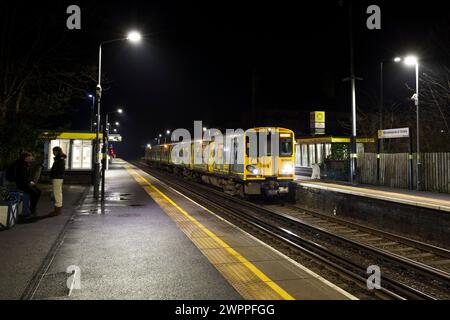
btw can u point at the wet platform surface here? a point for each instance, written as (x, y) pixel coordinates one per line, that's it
(147, 241)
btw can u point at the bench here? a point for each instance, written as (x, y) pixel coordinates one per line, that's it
(13, 203)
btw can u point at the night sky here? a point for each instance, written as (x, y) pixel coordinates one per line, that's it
(198, 59)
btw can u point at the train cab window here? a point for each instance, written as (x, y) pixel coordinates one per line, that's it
(285, 146)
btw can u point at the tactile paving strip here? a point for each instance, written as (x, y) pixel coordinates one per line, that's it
(246, 278)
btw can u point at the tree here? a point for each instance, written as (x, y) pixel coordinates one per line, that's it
(39, 77)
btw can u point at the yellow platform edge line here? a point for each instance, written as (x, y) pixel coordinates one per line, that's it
(250, 266)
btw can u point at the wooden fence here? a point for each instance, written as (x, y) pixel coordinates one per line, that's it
(394, 170)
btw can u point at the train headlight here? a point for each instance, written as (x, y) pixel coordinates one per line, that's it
(254, 170)
(287, 168)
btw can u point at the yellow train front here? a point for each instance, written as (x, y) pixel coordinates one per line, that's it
(260, 164)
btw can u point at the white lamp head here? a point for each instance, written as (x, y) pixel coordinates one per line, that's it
(397, 59)
(411, 60)
(134, 36)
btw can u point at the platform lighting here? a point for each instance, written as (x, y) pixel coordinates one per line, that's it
(149, 145)
(115, 130)
(204, 129)
(412, 60)
(134, 36)
(116, 123)
(120, 110)
(160, 135)
(168, 131)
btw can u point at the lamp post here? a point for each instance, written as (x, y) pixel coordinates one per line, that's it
(414, 61)
(132, 37)
(92, 111)
(105, 148)
(165, 138)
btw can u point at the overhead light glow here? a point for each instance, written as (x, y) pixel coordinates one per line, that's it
(411, 60)
(120, 110)
(134, 36)
(397, 59)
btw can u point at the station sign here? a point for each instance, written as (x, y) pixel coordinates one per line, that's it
(317, 122)
(115, 138)
(393, 133)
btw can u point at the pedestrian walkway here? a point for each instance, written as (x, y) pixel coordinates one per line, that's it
(25, 247)
(435, 201)
(146, 241)
(128, 248)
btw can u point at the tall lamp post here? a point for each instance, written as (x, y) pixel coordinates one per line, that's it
(165, 138)
(132, 37)
(414, 61)
(105, 148)
(92, 111)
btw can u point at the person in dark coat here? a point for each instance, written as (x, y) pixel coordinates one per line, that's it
(57, 175)
(24, 181)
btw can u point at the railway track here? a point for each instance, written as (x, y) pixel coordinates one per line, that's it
(402, 278)
(434, 260)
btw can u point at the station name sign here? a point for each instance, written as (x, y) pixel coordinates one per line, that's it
(393, 133)
(317, 122)
(115, 137)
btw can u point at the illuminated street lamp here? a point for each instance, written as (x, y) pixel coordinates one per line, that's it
(167, 133)
(133, 37)
(91, 96)
(414, 61)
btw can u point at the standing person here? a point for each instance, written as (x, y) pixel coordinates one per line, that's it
(24, 181)
(57, 176)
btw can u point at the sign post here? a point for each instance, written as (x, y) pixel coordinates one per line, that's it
(397, 134)
(317, 122)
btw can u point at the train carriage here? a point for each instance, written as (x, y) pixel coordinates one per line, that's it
(266, 169)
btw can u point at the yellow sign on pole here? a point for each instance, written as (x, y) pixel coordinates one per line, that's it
(317, 122)
(320, 116)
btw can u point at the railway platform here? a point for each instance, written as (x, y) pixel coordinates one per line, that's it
(430, 200)
(424, 216)
(148, 241)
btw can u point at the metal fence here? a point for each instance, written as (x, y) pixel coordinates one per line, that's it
(395, 170)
